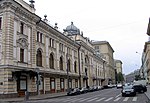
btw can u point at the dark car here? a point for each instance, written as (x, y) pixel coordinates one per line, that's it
(128, 91)
(83, 90)
(74, 91)
(140, 88)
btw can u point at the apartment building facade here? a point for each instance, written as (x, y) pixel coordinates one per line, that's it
(106, 51)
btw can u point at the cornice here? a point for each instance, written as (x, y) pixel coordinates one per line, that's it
(19, 10)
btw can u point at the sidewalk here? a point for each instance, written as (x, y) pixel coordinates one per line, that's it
(148, 92)
(37, 97)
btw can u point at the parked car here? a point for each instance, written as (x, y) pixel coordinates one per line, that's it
(105, 86)
(74, 91)
(91, 89)
(95, 87)
(128, 90)
(119, 85)
(140, 88)
(99, 87)
(83, 90)
(110, 85)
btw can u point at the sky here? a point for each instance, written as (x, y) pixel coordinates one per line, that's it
(123, 23)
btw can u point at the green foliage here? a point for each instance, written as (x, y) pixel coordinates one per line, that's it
(120, 77)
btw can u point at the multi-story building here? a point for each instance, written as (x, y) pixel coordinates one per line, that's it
(106, 51)
(38, 58)
(145, 68)
(118, 66)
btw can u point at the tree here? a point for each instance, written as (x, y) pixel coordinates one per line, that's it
(120, 77)
(137, 77)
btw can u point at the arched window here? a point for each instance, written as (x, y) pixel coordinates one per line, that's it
(75, 67)
(68, 66)
(51, 61)
(61, 63)
(39, 58)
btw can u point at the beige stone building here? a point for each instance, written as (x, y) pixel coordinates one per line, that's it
(145, 68)
(38, 58)
(106, 51)
(118, 66)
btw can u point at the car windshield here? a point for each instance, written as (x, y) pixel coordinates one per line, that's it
(127, 87)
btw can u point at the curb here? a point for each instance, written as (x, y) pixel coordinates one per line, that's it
(32, 99)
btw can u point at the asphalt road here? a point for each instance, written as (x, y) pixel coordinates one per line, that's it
(112, 95)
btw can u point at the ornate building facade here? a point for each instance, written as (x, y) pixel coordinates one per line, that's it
(38, 58)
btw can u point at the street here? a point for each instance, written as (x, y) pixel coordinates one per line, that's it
(103, 96)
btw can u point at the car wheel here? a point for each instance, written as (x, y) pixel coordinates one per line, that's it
(123, 95)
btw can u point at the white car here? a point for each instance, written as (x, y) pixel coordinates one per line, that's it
(119, 85)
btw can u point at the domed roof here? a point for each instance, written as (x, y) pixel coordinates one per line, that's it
(72, 29)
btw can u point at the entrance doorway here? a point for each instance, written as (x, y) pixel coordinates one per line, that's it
(22, 85)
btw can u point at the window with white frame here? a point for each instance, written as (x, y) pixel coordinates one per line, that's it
(40, 37)
(51, 42)
(61, 47)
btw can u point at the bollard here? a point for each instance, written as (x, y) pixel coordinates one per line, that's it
(26, 96)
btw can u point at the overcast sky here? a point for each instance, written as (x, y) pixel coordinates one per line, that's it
(123, 23)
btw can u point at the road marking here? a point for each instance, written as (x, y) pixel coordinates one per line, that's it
(91, 100)
(126, 99)
(109, 99)
(84, 99)
(68, 99)
(134, 99)
(118, 95)
(76, 99)
(100, 99)
(117, 99)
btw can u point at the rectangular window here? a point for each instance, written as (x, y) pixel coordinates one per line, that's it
(50, 40)
(53, 43)
(61, 47)
(41, 37)
(96, 47)
(21, 28)
(0, 22)
(21, 55)
(37, 36)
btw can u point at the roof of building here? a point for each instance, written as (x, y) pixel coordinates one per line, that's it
(72, 29)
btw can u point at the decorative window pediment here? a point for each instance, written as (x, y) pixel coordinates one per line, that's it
(22, 43)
